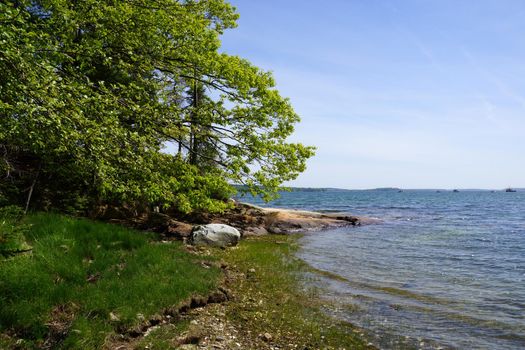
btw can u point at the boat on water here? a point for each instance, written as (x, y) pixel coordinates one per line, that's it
(510, 190)
(455, 191)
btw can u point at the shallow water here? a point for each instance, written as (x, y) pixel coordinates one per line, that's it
(442, 270)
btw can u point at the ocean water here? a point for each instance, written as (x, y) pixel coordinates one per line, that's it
(441, 270)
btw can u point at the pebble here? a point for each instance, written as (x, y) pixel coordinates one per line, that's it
(113, 317)
(266, 337)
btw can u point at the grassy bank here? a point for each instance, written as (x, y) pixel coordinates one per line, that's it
(84, 281)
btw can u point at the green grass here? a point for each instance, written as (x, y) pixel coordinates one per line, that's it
(272, 299)
(80, 271)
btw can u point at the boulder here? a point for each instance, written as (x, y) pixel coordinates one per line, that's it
(219, 235)
(255, 231)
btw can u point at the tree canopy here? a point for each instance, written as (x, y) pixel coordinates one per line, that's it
(92, 91)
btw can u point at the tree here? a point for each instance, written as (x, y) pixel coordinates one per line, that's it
(91, 91)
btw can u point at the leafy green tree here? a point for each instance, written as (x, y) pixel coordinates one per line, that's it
(91, 91)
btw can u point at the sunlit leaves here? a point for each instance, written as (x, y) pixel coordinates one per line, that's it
(96, 88)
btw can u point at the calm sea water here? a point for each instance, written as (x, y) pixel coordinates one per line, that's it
(441, 270)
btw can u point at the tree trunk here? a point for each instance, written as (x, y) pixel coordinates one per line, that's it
(32, 188)
(195, 104)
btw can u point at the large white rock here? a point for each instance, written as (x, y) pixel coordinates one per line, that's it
(219, 235)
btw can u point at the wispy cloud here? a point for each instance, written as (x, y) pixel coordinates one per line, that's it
(411, 35)
(491, 77)
(389, 91)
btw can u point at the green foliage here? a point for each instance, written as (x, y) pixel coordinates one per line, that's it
(81, 271)
(12, 240)
(91, 92)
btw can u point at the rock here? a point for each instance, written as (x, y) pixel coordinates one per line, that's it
(227, 292)
(113, 317)
(255, 231)
(219, 235)
(267, 337)
(179, 229)
(217, 297)
(275, 230)
(157, 222)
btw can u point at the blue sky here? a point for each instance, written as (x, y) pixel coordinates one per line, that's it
(412, 93)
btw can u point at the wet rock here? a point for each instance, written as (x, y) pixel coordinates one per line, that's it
(218, 235)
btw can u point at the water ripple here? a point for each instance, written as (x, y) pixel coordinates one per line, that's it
(443, 270)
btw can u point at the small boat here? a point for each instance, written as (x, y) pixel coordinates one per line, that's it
(455, 191)
(510, 190)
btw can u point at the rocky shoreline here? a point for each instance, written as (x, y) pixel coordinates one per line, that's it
(252, 220)
(249, 219)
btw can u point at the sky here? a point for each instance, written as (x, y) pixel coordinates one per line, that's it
(407, 93)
